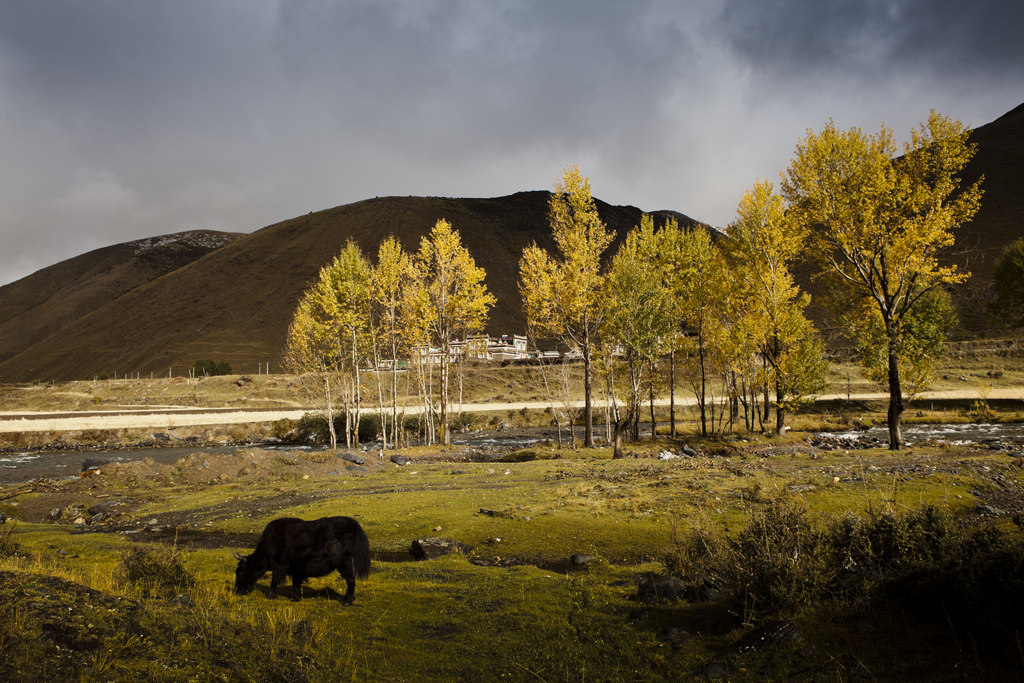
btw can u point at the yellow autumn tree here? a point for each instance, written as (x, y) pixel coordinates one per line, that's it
(328, 339)
(765, 241)
(879, 223)
(563, 293)
(639, 322)
(449, 300)
(697, 280)
(313, 350)
(388, 280)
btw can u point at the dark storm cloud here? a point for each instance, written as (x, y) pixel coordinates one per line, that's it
(122, 119)
(870, 38)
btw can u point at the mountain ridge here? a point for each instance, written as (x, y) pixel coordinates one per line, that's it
(158, 304)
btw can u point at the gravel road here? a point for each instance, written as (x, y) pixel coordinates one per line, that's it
(166, 418)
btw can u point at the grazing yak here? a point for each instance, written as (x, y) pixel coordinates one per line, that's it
(302, 549)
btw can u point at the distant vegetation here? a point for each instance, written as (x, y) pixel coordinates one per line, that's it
(209, 368)
(728, 310)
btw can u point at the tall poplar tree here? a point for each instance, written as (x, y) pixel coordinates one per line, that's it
(564, 293)
(879, 223)
(639, 322)
(765, 241)
(388, 278)
(452, 300)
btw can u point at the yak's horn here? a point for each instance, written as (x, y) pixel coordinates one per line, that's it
(239, 556)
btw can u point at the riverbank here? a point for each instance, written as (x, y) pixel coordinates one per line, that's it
(562, 553)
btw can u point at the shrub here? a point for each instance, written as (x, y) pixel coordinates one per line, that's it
(209, 368)
(313, 426)
(156, 571)
(280, 429)
(8, 546)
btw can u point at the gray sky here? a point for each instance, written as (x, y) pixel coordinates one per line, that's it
(124, 119)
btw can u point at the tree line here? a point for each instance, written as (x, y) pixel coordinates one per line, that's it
(724, 314)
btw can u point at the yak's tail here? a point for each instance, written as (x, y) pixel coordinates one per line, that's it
(361, 553)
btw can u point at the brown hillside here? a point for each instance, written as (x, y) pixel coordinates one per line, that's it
(49, 300)
(235, 303)
(999, 221)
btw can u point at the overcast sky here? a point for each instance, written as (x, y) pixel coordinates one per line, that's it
(124, 119)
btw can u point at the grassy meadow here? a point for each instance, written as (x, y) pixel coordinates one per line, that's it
(756, 559)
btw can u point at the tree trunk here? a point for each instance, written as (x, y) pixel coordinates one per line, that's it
(780, 414)
(672, 392)
(702, 399)
(654, 425)
(617, 441)
(895, 401)
(330, 413)
(446, 435)
(588, 412)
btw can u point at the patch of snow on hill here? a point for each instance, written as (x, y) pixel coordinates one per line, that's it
(195, 238)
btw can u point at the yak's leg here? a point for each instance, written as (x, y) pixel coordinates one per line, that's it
(347, 573)
(297, 580)
(277, 574)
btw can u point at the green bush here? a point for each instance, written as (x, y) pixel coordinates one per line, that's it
(783, 562)
(209, 368)
(157, 571)
(313, 426)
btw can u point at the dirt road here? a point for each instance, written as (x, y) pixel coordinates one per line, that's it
(166, 418)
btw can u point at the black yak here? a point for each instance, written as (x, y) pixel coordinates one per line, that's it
(302, 549)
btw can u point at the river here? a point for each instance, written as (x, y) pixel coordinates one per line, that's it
(20, 467)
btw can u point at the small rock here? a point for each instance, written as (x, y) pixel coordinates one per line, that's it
(352, 457)
(689, 451)
(989, 510)
(667, 455)
(657, 587)
(98, 517)
(399, 459)
(673, 635)
(153, 521)
(80, 521)
(581, 560)
(486, 511)
(429, 548)
(716, 670)
(638, 615)
(801, 488)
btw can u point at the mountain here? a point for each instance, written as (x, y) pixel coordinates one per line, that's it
(234, 302)
(155, 306)
(46, 302)
(999, 221)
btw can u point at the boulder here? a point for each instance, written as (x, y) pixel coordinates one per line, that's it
(399, 459)
(659, 587)
(580, 560)
(352, 457)
(430, 548)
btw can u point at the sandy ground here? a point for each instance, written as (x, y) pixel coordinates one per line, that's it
(165, 418)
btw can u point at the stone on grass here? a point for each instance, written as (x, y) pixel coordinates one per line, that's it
(399, 459)
(352, 457)
(430, 548)
(581, 560)
(658, 587)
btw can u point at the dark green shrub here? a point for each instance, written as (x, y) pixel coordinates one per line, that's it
(209, 368)
(313, 426)
(8, 546)
(774, 565)
(157, 571)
